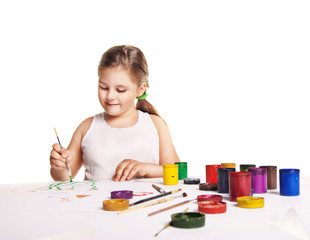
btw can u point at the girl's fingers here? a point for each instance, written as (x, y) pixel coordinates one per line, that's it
(133, 172)
(57, 148)
(119, 170)
(58, 164)
(127, 170)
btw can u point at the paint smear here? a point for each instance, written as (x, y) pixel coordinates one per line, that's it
(82, 196)
(142, 193)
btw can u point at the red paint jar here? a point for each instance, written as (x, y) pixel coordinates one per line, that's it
(212, 207)
(209, 197)
(211, 173)
(239, 185)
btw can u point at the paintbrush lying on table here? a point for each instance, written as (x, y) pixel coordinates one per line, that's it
(154, 197)
(168, 224)
(170, 207)
(151, 204)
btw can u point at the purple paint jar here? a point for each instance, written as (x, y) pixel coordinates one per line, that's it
(258, 179)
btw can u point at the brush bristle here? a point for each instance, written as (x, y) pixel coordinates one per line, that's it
(184, 194)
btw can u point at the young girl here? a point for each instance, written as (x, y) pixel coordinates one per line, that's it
(124, 141)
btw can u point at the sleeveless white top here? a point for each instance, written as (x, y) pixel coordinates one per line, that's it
(104, 147)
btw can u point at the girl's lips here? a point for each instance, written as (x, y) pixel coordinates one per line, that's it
(111, 105)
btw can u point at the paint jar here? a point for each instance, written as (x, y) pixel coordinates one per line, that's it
(170, 174)
(211, 173)
(222, 179)
(239, 185)
(182, 169)
(244, 167)
(228, 165)
(258, 179)
(289, 182)
(271, 177)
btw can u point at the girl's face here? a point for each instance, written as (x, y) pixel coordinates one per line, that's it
(117, 91)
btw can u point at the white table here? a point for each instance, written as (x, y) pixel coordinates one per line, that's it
(59, 214)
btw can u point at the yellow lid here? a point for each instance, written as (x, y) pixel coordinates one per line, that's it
(115, 204)
(228, 165)
(250, 202)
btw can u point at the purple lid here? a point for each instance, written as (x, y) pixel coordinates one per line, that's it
(123, 194)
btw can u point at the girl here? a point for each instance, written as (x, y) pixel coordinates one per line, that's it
(124, 141)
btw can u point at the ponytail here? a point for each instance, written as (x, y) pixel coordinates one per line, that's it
(145, 106)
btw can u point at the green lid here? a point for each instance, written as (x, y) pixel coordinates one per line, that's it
(188, 220)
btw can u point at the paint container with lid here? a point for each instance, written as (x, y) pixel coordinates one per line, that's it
(209, 197)
(187, 220)
(222, 179)
(211, 173)
(259, 179)
(244, 167)
(170, 172)
(212, 207)
(289, 182)
(271, 177)
(239, 185)
(228, 165)
(182, 170)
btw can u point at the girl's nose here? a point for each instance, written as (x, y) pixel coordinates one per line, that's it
(110, 95)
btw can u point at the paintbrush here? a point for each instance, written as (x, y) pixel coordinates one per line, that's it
(170, 207)
(67, 166)
(158, 189)
(150, 204)
(168, 225)
(154, 197)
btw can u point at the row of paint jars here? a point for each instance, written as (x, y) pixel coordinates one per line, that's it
(252, 180)
(244, 183)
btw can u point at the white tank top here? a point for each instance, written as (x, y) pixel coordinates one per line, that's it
(104, 147)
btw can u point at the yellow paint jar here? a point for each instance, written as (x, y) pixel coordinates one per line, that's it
(170, 174)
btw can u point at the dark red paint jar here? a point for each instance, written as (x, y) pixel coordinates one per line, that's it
(239, 185)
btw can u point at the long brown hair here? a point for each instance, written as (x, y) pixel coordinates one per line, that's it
(132, 60)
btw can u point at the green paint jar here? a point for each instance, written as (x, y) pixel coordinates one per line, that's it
(187, 220)
(244, 167)
(182, 166)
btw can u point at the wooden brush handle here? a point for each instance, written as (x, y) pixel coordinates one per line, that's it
(146, 205)
(167, 208)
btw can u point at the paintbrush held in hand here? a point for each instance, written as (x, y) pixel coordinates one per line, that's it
(67, 166)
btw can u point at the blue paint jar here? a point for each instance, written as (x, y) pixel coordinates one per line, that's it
(289, 182)
(222, 179)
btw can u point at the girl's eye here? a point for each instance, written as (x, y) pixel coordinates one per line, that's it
(121, 90)
(104, 88)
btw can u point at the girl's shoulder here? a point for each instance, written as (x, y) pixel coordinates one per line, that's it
(84, 126)
(158, 122)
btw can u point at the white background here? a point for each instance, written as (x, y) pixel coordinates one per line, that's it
(231, 78)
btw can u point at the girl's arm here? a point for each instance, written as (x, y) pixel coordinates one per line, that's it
(73, 154)
(129, 168)
(167, 152)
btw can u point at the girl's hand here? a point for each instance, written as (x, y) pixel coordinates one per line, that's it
(59, 156)
(128, 169)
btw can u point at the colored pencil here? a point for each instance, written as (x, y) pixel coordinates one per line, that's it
(67, 166)
(154, 197)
